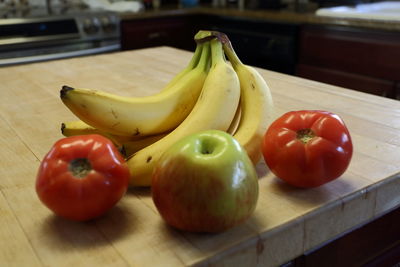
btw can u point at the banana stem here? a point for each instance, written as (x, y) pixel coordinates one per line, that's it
(192, 65)
(196, 56)
(205, 56)
(217, 54)
(230, 52)
(204, 36)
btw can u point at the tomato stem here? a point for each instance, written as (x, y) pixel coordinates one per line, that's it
(305, 135)
(80, 167)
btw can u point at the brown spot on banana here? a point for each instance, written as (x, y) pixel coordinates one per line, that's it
(115, 115)
(137, 132)
(149, 158)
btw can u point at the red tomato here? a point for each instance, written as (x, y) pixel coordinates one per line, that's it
(82, 177)
(307, 148)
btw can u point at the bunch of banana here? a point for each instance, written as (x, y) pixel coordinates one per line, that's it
(141, 116)
(210, 93)
(78, 127)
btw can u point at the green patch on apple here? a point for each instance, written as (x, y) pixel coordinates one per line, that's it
(205, 182)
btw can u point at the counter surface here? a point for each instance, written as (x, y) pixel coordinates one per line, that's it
(287, 221)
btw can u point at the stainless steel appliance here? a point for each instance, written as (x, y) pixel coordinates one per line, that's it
(30, 34)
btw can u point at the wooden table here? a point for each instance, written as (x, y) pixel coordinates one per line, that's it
(286, 223)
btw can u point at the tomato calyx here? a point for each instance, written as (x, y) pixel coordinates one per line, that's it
(80, 167)
(305, 135)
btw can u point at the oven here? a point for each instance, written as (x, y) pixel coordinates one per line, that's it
(40, 34)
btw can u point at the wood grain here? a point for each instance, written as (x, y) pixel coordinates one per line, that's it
(287, 221)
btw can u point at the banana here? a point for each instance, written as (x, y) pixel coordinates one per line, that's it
(78, 127)
(256, 104)
(140, 116)
(235, 122)
(128, 148)
(71, 128)
(214, 109)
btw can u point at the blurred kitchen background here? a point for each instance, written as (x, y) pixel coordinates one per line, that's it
(349, 43)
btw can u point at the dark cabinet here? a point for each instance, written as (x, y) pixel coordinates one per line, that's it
(350, 80)
(259, 43)
(359, 59)
(161, 31)
(376, 244)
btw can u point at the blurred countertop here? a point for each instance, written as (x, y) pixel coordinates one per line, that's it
(283, 16)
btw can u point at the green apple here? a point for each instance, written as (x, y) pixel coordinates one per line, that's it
(205, 183)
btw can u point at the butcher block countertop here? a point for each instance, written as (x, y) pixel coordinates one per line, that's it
(287, 221)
